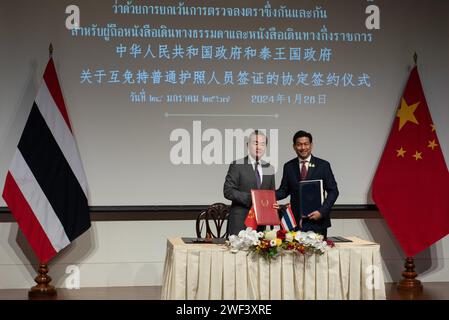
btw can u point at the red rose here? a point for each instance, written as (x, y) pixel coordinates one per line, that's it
(330, 243)
(281, 234)
(301, 249)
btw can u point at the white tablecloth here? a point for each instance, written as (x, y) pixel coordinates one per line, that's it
(208, 271)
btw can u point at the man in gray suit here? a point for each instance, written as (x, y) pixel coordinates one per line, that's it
(243, 175)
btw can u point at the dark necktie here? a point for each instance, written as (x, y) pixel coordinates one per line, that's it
(258, 180)
(303, 170)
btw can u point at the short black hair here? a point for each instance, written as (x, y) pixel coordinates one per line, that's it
(301, 134)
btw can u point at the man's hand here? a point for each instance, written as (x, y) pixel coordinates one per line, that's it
(276, 206)
(316, 215)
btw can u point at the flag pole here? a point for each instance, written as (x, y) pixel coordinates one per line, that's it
(409, 284)
(43, 289)
(50, 51)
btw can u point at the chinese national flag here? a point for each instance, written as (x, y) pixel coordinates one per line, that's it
(250, 221)
(410, 186)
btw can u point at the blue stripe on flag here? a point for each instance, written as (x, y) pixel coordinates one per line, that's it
(288, 220)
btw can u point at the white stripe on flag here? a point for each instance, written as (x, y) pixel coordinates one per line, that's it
(38, 202)
(61, 133)
(288, 219)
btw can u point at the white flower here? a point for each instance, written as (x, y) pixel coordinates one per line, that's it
(311, 240)
(248, 238)
(244, 240)
(271, 235)
(321, 246)
(300, 236)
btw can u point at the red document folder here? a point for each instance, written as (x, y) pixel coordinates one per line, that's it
(263, 201)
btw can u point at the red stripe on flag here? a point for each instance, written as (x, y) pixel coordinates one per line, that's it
(27, 220)
(51, 79)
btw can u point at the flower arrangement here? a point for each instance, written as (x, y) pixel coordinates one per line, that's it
(270, 244)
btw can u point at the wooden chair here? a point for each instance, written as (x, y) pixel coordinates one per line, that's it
(212, 220)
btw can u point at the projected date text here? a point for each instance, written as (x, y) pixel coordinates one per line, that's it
(298, 98)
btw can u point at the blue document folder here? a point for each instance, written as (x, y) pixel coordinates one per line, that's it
(311, 196)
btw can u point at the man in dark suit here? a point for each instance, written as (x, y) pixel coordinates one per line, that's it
(308, 167)
(243, 175)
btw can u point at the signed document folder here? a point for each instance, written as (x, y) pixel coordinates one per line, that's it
(311, 196)
(263, 201)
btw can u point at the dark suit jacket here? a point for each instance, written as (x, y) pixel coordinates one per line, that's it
(290, 187)
(241, 178)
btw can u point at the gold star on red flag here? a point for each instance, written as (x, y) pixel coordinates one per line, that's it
(417, 156)
(407, 113)
(433, 127)
(401, 152)
(432, 144)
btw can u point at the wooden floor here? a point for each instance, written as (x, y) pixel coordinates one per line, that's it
(432, 291)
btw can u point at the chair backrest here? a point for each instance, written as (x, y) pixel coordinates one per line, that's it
(213, 219)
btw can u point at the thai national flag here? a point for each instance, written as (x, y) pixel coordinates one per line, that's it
(46, 188)
(288, 221)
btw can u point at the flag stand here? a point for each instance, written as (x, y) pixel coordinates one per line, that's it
(43, 289)
(409, 283)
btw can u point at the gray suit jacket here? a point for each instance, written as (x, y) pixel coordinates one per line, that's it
(241, 178)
